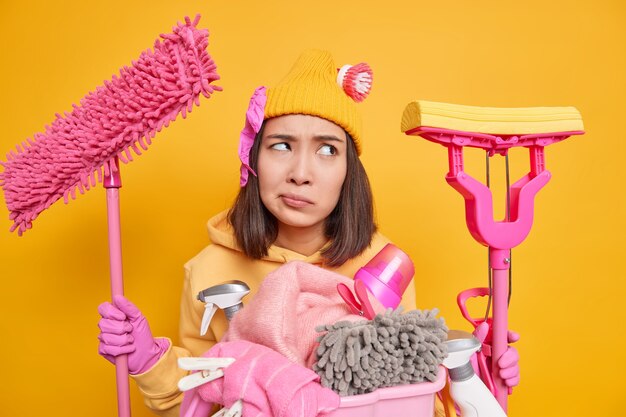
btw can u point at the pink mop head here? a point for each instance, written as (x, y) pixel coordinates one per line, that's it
(123, 114)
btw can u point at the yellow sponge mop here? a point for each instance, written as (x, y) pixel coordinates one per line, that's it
(491, 120)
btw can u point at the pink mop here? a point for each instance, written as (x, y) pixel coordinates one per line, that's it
(81, 148)
(499, 236)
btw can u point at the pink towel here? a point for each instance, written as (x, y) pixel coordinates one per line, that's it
(291, 302)
(268, 383)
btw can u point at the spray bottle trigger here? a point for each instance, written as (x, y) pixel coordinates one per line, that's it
(209, 310)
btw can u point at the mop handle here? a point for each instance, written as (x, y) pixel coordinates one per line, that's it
(112, 183)
(500, 260)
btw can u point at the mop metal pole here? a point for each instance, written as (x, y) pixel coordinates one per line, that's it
(112, 183)
(500, 263)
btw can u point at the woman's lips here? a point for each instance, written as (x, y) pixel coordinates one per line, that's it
(295, 201)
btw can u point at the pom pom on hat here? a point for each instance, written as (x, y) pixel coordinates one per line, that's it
(356, 81)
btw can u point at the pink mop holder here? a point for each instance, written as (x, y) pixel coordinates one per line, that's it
(499, 236)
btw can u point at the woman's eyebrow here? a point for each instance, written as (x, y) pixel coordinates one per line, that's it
(319, 138)
(282, 136)
(331, 138)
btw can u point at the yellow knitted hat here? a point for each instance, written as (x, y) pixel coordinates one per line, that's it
(311, 87)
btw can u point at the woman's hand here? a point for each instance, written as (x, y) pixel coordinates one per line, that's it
(508, 363)
(125, 330)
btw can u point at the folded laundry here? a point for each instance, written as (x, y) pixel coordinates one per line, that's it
(290, 303)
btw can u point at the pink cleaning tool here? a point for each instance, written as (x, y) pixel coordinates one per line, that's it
(82, 147)
(78, 149)
(495, 130)
(387, 275)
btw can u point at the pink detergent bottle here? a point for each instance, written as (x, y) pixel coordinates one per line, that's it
(387, 275)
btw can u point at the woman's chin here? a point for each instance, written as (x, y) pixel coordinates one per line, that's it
(298, 220)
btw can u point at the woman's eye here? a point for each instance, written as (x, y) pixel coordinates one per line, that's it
(282, 146)
(327, 150)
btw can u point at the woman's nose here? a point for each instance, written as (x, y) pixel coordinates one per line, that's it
(300, 172)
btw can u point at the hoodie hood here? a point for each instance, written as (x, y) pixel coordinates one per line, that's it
(221, 233)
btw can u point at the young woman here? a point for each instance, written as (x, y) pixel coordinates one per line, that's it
(305, 196)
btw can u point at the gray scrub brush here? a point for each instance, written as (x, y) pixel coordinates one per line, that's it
(394, 348)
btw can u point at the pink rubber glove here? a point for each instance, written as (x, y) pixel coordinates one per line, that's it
(509, 361)
(125, 330)
(267, 382)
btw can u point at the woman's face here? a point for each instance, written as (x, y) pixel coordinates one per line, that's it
(301, 168)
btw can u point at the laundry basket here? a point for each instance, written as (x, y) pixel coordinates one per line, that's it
(414, 400)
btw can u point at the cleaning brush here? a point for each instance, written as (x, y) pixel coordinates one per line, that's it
(116, 120)
(356, 80)
(394, 348)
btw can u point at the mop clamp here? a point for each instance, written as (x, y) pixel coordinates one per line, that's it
(495, 130)
(493, 144)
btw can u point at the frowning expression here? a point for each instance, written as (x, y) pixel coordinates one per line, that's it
(301, 169)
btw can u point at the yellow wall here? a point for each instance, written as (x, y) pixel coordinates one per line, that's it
(569, 277)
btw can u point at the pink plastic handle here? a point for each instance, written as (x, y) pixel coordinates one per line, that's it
(485, 351)
(496, 341)
(461, 301)
(349, 298)
(361, 293)
(362, 306)
(112, 183)
(499, 336)
(479, 209)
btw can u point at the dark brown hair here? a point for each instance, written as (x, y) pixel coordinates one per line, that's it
(350, 226)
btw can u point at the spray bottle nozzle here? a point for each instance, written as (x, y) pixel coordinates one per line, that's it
(226, 296)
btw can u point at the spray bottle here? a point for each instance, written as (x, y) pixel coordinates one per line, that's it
(466, 388)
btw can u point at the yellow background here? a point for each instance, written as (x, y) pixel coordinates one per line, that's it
(569, 275)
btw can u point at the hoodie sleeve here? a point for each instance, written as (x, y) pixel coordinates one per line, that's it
(159, 385)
